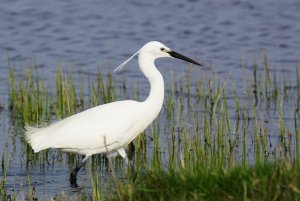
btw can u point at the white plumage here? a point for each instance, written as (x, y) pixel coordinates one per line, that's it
(108, 128)
(100, 129)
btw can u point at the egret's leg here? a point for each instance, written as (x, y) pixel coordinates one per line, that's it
(122, 153)
(73, 175)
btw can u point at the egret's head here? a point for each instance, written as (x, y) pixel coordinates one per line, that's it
(159, 50)
(154, 50)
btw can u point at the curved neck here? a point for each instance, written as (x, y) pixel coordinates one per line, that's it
(156, 96)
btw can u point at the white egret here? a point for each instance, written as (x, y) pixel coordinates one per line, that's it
(110, 127)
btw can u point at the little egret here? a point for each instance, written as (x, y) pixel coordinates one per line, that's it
(110, 127)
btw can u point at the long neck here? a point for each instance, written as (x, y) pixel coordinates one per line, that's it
(156, 96)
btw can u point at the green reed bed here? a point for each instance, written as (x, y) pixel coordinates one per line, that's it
(267, 182)
(207, 135)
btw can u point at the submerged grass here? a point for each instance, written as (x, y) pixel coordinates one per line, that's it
(208, 143)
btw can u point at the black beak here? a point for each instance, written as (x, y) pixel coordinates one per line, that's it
(180, 56)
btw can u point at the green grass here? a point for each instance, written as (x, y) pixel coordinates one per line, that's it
(260, 182)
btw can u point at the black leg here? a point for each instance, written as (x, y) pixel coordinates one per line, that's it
(73, 174)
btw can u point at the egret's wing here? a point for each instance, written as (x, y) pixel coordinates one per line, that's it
(97, 127)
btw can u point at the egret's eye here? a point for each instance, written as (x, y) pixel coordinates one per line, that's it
(162, 49)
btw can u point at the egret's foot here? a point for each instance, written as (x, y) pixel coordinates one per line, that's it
(74, 184)
(73, 174)
(73, 179)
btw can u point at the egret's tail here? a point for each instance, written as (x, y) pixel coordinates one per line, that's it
(34, 136)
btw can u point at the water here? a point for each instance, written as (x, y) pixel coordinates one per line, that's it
(84, 35)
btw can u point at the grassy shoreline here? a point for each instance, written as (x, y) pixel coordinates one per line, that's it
(258, 182)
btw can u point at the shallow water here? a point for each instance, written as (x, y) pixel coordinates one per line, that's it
(223, 35)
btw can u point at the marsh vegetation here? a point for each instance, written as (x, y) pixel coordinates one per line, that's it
(211, 141)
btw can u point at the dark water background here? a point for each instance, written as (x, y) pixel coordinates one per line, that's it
(87, 34)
